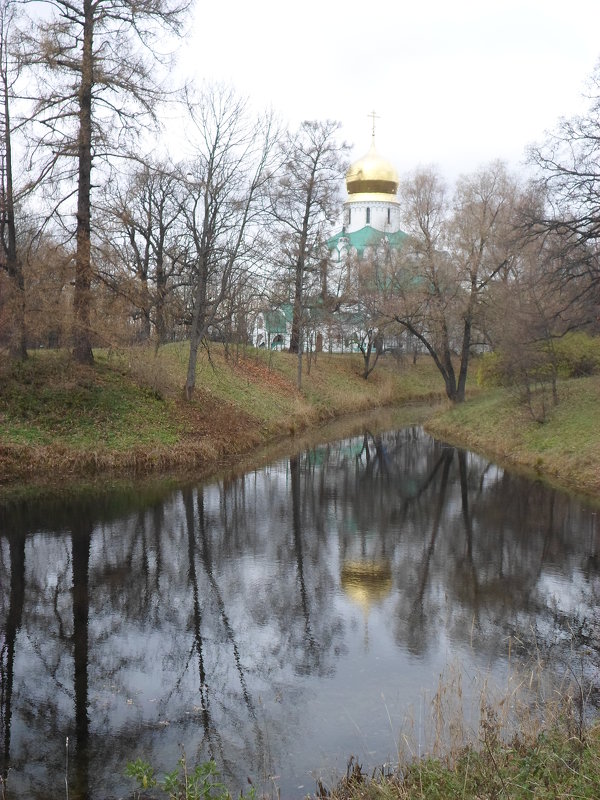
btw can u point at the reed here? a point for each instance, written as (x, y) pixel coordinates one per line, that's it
(525, 739)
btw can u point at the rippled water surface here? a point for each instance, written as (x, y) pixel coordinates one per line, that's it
(280, 621)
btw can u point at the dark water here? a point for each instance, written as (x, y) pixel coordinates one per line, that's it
(281, 621)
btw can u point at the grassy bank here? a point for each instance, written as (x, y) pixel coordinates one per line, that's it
(564, 447)
(126, 414)
(528, 739)
(556, 764)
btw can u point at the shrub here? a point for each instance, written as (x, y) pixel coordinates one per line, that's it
(201, 782)
(491, 370)
(572, 356)
(578, 355)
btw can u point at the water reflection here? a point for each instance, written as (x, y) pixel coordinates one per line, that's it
(279, 621)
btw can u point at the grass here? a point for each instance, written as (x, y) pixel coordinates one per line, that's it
(127, 413)
(50, 400)
(528, 739)
(555, 764)
(565, 447)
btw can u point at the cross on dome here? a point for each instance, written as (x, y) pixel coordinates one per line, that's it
(373, 116)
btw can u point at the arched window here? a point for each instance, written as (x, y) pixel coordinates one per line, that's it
(389, 215)
(368, 216)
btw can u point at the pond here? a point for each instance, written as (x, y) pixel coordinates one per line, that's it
(280, 621)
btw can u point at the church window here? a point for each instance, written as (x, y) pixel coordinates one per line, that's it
(389, 215)
(368, 216)
(349, 216)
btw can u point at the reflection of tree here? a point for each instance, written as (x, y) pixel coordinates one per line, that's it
(418, 617)
(16, 544)
(205, 615)
(80, 552)
(310, 646)
(209, 728)
(466, 565)
(207, 562)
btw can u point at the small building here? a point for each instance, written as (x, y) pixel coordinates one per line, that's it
(273, 327)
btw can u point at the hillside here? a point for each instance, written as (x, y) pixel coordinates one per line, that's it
(126, 414)
(564, 447)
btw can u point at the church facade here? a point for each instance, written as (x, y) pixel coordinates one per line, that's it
(371, 222)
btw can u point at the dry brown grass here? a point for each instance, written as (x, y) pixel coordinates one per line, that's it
(524, 739)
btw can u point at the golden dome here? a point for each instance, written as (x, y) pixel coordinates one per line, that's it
(372, 174)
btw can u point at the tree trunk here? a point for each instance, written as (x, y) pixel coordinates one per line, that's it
(464, 361)
(296, 334)
(196, 333)
(366, 352)
(161, 293)
(82, 347)
(296, 337)
(299, 370)
(18, 342)
(442, 360)
(146, 306)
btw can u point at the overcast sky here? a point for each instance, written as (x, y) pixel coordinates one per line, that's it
(456, 83)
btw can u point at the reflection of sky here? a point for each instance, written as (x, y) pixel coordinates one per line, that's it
(561, 591)
(251, 651)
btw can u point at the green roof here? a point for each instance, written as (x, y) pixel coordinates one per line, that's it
(276, 319)
(367, 237)
(275, 322)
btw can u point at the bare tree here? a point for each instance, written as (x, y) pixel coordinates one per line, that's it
(527, 314)
(456, 249)
(95, 66)
(361, 304)
(9, 255)
(144, 242)
(48, 268)
(225, 182)
(569, 180)
(304, 204)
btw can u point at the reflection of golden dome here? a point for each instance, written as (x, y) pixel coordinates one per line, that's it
(366, 582)
(372, 174)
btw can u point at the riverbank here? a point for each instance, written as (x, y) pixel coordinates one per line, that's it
(556, 764)
(563, 448)
(126, 415)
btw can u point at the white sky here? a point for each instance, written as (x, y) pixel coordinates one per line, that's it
(456, 83)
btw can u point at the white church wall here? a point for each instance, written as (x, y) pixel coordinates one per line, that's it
(381, 215)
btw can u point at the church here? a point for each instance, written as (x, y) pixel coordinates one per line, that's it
(371, 222)
(372, 210)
